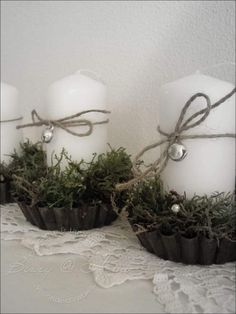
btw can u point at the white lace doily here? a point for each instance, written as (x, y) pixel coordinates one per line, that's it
(114, 256)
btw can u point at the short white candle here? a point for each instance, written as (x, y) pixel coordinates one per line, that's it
(70, 95)
(10, 136)
(210, 163)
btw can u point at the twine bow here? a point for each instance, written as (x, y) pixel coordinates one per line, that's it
(176, 136)
(67, 122)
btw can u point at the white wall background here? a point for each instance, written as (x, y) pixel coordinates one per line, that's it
(136, 46)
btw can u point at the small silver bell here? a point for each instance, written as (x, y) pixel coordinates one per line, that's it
(175, 208)
(177, 152)
(47, 134)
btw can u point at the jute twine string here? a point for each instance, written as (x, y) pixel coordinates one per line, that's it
(176, 136)
(67, 122)
(11, 120)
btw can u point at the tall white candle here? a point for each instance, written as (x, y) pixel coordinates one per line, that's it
(72, 94)
(210, 163)
(10, 136)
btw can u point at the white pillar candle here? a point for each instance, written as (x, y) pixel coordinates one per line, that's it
(10, 136)
(70, 95)
(210, 163)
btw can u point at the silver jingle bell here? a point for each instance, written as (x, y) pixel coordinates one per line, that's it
(175, 208)
(47, 134)
(177, 152)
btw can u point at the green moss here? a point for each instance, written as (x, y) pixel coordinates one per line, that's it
(149, 207)
(31, 161)
(104, 172)
(29, 164)
(92, 182)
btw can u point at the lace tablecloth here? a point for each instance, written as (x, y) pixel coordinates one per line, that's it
(114, 255)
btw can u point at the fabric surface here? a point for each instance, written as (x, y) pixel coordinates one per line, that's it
(114, 256)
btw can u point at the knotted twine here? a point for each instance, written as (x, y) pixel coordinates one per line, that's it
(67, 122)
(176, 136)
